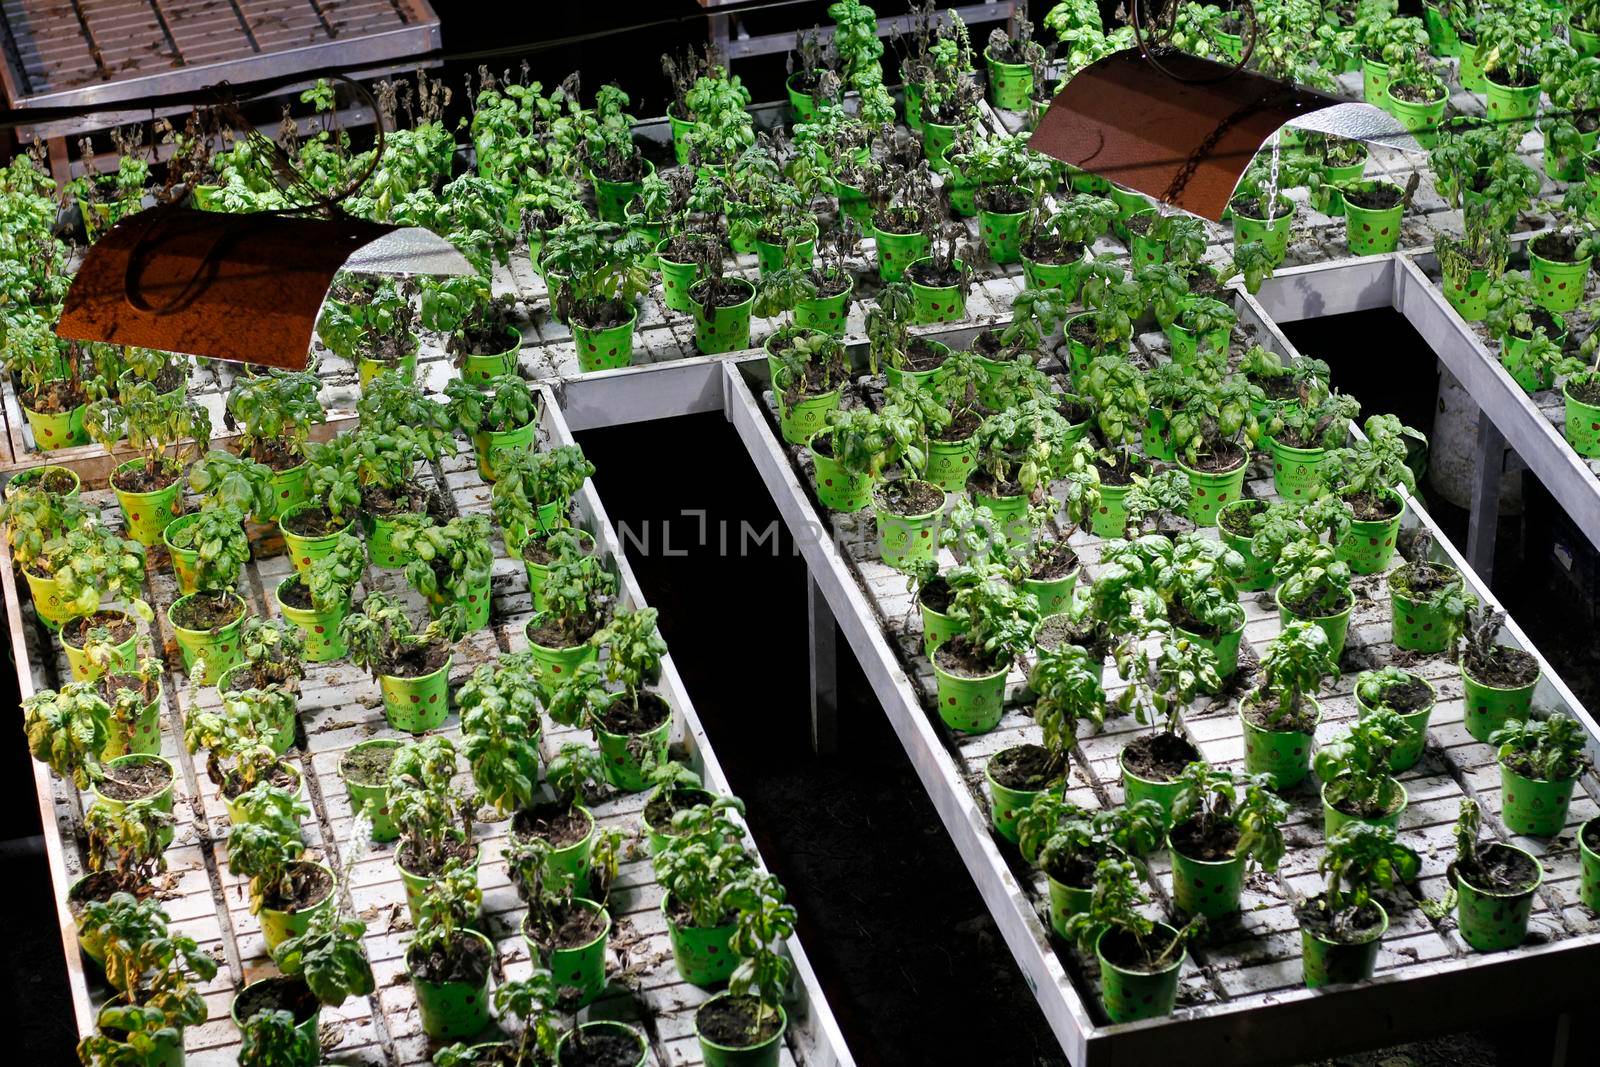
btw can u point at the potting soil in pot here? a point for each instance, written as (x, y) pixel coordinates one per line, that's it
(466, 960)
(135, 780)
(283, 995)
(730, 1021)
(1026, 768)
(575, 927)
(368, 766)
(311, 883)
(600, 1048)
(557, 824)
(1500, 870)
(1159, 757)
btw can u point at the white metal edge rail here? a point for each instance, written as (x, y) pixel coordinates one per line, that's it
(822, 1039)
(966, 823)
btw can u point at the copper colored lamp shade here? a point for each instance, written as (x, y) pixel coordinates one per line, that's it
(245, 288)
(1186, 142)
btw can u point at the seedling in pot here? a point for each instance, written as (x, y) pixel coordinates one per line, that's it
(1157, 504)
(369, 322)
(601, 269)
(1486, 660)
(273, 655)
(238, 739)
(449, 564)
(224, 480)
(446, 952)
(434, 818)
(1493, 886)
(67, 731)
(1550, 748)
(330, 580)
(750, 1014)
(1358, 860)
(168, 428)
(1430, 600)
(382, 638)
(1066, 683)
(499, 708)
(610, 695)
(1354, 769)
(1293, 668)
(277, 412)
(1369, 470)
(1128, 941)
(268, 848)
(330, 958)
(1220, 815)
(1197, 584)
(126, 842)
(535, 1002)
(274, 1039)
(505, 403)
(809, 364)
(529, 485)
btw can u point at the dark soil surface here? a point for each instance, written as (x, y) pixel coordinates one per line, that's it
(1556, 247)
(1281, 387)
(1026, 767)
(276, 453)
(1256, 715)
(720, 292)
(1500, 870)
(1081, 330)
(731, 1021)
(387, 503)
(54, 480)
(906, 497)
(145, 478)
(1073, 869)
(1314, 917)
(631, 718)
(481, 339)
(207, 611)
(1237, 520)
(897, 222)
(1159, 757)
(536, 549)
(1371, 811)
(1227, 457)
(1374, 507)
(1124, 950)
(598, 314)
(1184, 620)
(1306, 610)
(416, 662)
(367, 766)
(558, 824)
(1414, 93)
(1210, 840)
(278, 994)
(1408, 696)
(454, 849)
(1112, 474)
(1542, 319)
(957, 656)
(76, 632)
(921, 355)
(110, 684)
(95, 888)
(1419, 581)
(53, 398)
(984, 482)
(574, 926)
(1060, 630)
(926, 274)
(1052, 560)
(1585, 390)
(281, 776)
(989, 345)
(133, 781)
(1141, 224)
(1075, 411)
(1591, 836)
(1251, 209)
(314, 522)
(1379, 197)
(630, 169)
(1051, 250)
(603, 1048)
(963, 426)
(666, 803)
(830, 284)
(295, 594)
(466, 959)
(1002, 200)
(312, 885)
(936, 596)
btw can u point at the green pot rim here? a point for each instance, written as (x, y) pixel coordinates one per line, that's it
(244, 610)
(783, 1026)
(1174, 966)
(1504, 894)
(1383, 928)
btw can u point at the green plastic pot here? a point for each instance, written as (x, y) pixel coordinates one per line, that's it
(416, 705)
(1274, 234)
(290, 489)
(1006, 804)
(1231, 44)
(1010, 84)
(375, 798)
(1582, 426)
(303, 551)
(771, 257)
(605, 349)
(937, 628)
(555, 665)
(1224, 648)
(185, 561)
(162, 800)
(1333, 819)
(1065, 902)
(494, 446)
(1144, 248)
(1002, 234)
(539, 573)
(676, 279)
(801, 104)
(1066, 277)
(838, 489)
(479, 369)
(625, 755)
(1507, 102)
(611, 198)
(943, 303)
(1559, 285)
(971, 705)
(281, 735)
(1469, 295)
(417, 885)
(1469, 72)
(723, 329)
(146, 515)
(1131, 995)
(34, 474)
(702, 954)
(828, 314)
(1375, 77)
(907, 539)
(1417, 626)
(144, 738)
(1010, 513)
(368, 369)
(380, 542)
(951, 463)
(897, 251)
(1513, 353)
(913, 104)
(1136, 788)
(1489, 920)
(1583, 41)
(279, 926)
(1328, 962)
(1257, 575)
(650, 232)
(1589, 886)
(320, 628)
(765, 1054)
(1533, 807)
(853, 204)
(1296, 472)
(680, 128)
(1443, 41)
(1419, 119)
(799, 422)
(1284, 754)
(1335, 626)
(52, 431)
(1206, 887)
(236, 811)
(123, 658)
(1111, 517)
(1328, 199)
(219, 647)
(1487, 708)
(1369, 546)
(309, 1026)
(1409, 751)
(1129, 203)
(1185, 344)
(582, 968)
(1208, 492)
(451, 1010)
(1371, 232)
(1052, 594)
(936, 140)
(605, 1026)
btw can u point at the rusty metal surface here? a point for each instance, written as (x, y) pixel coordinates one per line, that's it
(242, 288)
(1183, 142)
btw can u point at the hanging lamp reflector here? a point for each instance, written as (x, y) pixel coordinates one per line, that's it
(1186, 140)
(244, 288)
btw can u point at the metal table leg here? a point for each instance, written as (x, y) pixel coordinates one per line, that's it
(1484, 523)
